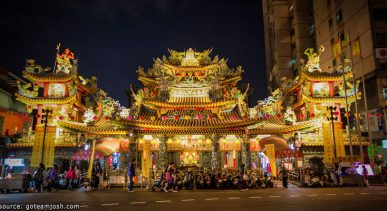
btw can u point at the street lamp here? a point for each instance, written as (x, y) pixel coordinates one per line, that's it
(45, 116)
(332, 118)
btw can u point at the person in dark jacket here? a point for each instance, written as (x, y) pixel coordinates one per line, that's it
(131, 174)
(39, 176)
(53, 178)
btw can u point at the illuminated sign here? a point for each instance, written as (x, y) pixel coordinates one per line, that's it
(14, 162)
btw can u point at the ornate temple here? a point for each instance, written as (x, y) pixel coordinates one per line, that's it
(189, 111)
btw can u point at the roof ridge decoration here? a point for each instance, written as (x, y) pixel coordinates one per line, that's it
(313, 63)
(65, 62)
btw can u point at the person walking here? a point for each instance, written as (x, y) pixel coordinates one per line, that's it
(131, 174)
(171, 178)
(284, 176)
(53, 177)
(39, 176)
(365, 176)
(71, 176)
(97, 172)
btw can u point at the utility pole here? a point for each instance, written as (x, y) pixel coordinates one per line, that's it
(333, 118)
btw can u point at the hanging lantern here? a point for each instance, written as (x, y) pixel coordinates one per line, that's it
(142, 117)
(176, 117)
(130, 117)
(61, 117)
(209, 117)
(199, 117)
(233, 117)
(267, 116)
(164, 117)
(312, 115)
(94, 118)
(153, 118)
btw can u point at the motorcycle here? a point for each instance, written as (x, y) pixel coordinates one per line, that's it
(188, 181)
(267, 183)
(159, 184)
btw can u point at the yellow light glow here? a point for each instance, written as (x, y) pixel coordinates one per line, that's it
(208, 141)
(200, 141)
(169, 141)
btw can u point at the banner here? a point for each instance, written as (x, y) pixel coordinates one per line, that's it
(91, 161)
(37, 147)
(328, 142)
(49, 147)
(146, 159)
(346, 40)
(336, 48)
(356, 48)
(340, 149)
(270, 152)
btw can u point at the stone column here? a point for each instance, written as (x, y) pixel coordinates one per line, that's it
(215, 155)
(246, 151)
(162, 157)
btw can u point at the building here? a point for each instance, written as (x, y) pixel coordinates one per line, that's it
(14, 118)
(288, 27)
(357, 30)
(354, 30)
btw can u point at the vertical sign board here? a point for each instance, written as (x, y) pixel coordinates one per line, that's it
(328, 143)
(49, 146)
(340, 149)
(270, 150)
(146, 158)
(37, 147)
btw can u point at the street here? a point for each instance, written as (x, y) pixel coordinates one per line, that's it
(292, 198)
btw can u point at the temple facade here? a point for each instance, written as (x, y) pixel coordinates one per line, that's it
(191, 112)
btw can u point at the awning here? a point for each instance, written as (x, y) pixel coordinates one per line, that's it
(108, 146)
(279, 143)
(85, 155)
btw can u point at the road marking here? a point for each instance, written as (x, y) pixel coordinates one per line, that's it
(234, 198)
(292, 196)
(313, 195)
(365, 193)
(255, 197)
(81, 206)
(112, 204)
(274, 196)
(188, 200)
(331, 194)
(138, 202)
(211, 199)
(348, 193)
(165, 201)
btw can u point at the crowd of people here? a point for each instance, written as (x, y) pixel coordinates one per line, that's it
(52, 179)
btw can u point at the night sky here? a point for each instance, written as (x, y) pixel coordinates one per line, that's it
(112, 38)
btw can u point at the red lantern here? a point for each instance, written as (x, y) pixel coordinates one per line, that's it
(176, 117)
(199, 116)
(267, 116)
(164, 117)
(130, 117)
(142, 117)
(279, 115)
(61, 117)
(209, 117)
(312, 115)
(94, 117)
